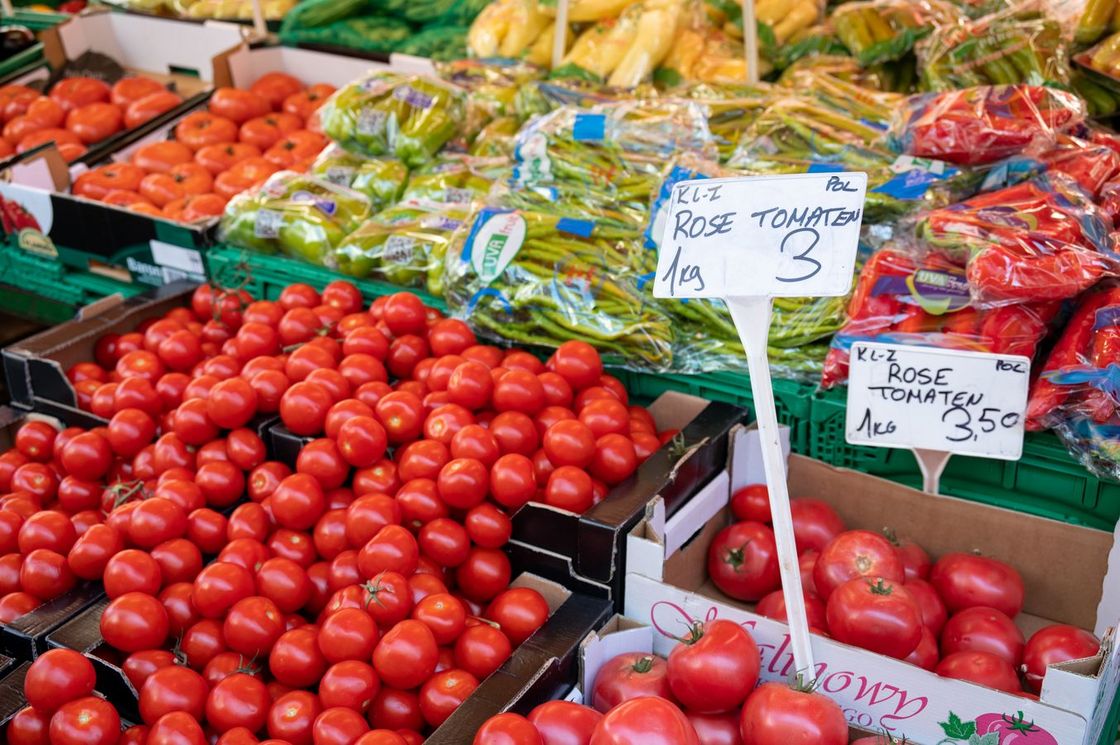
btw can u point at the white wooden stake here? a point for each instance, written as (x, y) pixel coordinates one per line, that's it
(750, 41)
(260, 27)
(932, 464)
(6, 7)
(560, 37)
(752, 319)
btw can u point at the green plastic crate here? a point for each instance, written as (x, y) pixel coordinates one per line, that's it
(1046, 481)
(265, 276)
(793, 400)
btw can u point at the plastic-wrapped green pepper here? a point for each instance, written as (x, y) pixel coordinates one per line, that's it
(380, 179)
(295, 214)
(455, 179)
(390, 114)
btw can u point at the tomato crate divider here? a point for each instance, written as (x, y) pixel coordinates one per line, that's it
(265, 276)
(1046, 481)
(794, 400)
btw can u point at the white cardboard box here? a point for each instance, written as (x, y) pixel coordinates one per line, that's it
(1064, 568)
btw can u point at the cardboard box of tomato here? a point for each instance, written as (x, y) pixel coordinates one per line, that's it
(1067, 570)
(588, 551)
(542, 668)
(145, 210)
(25, 637)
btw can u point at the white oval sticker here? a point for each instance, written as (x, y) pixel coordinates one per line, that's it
(496, 243)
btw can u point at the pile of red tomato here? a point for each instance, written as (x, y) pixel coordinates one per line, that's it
(243, 138)
(705, 693)
(954, 616)
(78, 112)
(361, 591)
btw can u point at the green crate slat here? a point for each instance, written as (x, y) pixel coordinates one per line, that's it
(265, 276)
(793, 400)
(1046, 481)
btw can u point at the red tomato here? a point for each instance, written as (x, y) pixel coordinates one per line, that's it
(856, 553)
(238, 701)
(443, 693)
(481, 649)
(219, 586)
(295, 659)
(915, 560)
(338, 726)
(778, 715)
(252, 626)
(177, 728)
(966, 581)
(875, 614)
(578, 363)
(172, 688)
(134, 621)
(238, 105)
(89, 721)
(631, 674)
(929, 603)
(815, 523)
(406, 655)
(139, 666)
(349, 683)
(45, 574)
(564, 722)
(484, 574)
(650, 721)
(743, 561)
(716, 729)
(983, 630)
(510, 729)
(714, 668)
(512, 482)
(982, 668)
(28, 727)
(774, 606)
(292, 716)
(926, 654)
(347, 634)
(519, 612)
(58, 676)
(1054, 644)
(72, 93)
(132, 570)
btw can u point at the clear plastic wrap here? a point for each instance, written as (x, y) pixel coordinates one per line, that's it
(884, 30)
(410, 117)
(800, 134)
(983, 124)
(295, 214)
(1042, 239)
(455, 179)
(380, 179)
(1019, 45)
(542, 279)
(1078, 391)
(901, 299)
(731, 109)
(607, 157)
(404, 245)
(1090, 164)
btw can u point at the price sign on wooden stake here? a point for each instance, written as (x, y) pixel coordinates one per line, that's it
(745, 241)
(937, 402)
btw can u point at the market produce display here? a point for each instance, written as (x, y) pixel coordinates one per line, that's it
(233, 10)
(77, 112)
(242, 138)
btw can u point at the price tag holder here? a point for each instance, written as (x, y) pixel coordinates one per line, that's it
(747, 240)
(937, 402)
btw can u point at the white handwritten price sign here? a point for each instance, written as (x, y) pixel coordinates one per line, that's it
(770, 236)
(937, 402)
(745, 241)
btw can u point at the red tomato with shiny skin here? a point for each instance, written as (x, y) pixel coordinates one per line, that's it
(649, 721)
(983, 630)
(716, 729)
(752, 503)
(509, 729)
(1054, 644)
(929, 603)
(292, 716)
(856, 553)
(778, 715)
(176, 728)
(239, 700)
(88, 721)
(406, 655)
(295, 659)
(565, 722)
(172, 688)
(815, 523)
(134, 621)
(774, 606)
(443, 693)
(58, 676)
(631, 674)
(983, 668)
(519, 612)
(743, 561)
(28, 727)
(714, 668)
(876, 614)
(926, 654)
(966, 581)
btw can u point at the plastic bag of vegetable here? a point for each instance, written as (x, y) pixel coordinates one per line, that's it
(506, 28)
(983, 124)
(455, 179)
(1018, 45)
(903, 299)
(404, 245)
(883, 30)
(381, 179)
(411, 117)
(544, 279)
(1042, 239)
(295, 214)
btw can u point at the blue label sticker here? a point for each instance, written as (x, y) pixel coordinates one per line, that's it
(582, 228)
(910, 185)
(589, 128)
(821, 167)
